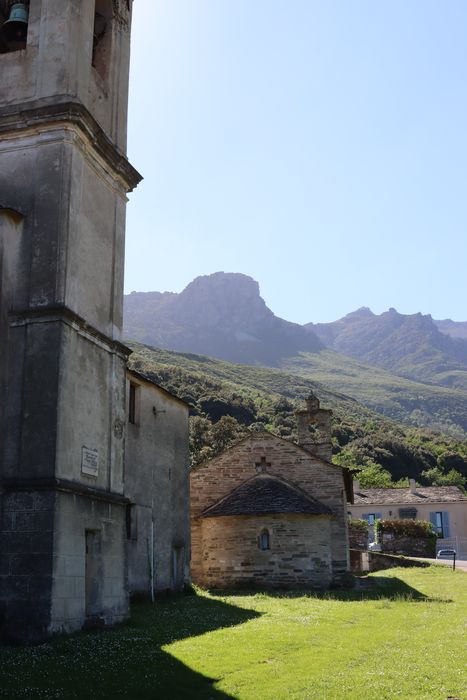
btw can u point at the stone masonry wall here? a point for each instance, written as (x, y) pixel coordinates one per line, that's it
(212, 480)
(26, 548)
(358, 537)
(231, 556)
(410, 546)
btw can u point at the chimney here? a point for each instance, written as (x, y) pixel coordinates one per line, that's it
(412, 486)
(356, 486)
(314, 429)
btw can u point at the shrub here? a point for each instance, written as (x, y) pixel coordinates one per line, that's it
(360, 525)
(421, 529)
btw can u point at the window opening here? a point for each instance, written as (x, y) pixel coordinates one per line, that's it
(439, 524)
(132, 403)
(14, 18)
(264, 540)
(407, 513)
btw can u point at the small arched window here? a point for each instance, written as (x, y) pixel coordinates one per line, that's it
(264, 540)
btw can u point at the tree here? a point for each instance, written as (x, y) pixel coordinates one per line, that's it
(435, 477)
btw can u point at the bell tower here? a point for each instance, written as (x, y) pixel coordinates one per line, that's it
(64, 179)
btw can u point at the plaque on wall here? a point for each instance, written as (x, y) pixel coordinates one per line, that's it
(89, 461)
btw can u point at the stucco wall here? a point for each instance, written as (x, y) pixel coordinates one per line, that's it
(74, 516)
(213, 480)
(157, 481)
(299, 555)
(457, 513)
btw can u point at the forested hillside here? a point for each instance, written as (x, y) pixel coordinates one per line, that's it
(228, 400)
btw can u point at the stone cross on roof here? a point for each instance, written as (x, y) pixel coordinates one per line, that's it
(262, 464)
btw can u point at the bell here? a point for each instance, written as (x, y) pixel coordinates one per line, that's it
(15, 29)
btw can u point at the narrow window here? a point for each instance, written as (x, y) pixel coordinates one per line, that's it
(132, 403)
(371, 518)
(264, 540)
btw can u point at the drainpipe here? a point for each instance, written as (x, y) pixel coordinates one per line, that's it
(152, 559)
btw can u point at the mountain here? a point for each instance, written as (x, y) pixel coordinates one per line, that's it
(411, 346)
(455, 329)
(222, 315)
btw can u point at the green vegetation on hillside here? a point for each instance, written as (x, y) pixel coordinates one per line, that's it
(227, 401)
(401, 635)
(404, 400)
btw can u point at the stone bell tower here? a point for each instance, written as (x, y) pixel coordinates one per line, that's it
(64, 178)
(314, 429)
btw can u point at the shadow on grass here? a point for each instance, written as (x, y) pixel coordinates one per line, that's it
(366, 588)
(128, 661)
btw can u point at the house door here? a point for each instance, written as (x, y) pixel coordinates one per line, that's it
(178, 568)
(93, 573)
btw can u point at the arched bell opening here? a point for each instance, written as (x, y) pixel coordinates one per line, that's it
(14, 20)
(102, 36)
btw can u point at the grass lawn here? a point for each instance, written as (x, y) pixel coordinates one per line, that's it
(404, 636)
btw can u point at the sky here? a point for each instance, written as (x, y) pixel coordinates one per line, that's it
(319, 146)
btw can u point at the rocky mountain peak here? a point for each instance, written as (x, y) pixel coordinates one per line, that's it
(222, 315)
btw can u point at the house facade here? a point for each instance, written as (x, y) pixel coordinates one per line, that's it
(444, 506)
(270, 513)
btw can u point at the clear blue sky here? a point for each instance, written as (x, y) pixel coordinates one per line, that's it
(319, 146)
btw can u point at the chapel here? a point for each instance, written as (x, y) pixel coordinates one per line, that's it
(270, 513)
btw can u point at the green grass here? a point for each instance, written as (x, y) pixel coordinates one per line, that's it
(403, 637)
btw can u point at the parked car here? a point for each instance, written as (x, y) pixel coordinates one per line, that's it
(446, 554)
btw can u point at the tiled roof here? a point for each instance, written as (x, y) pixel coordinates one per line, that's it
(263, 494)
(423, 494)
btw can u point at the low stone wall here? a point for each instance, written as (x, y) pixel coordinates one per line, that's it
(358, 535)
(410, 546)
(366, 562)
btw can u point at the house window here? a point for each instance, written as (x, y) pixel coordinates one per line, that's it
(264, 540)
(439, 524)
(132, 403)
(371, 518)
(407, 513)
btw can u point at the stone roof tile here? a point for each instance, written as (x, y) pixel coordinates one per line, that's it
(423, 494)
(263, 494)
